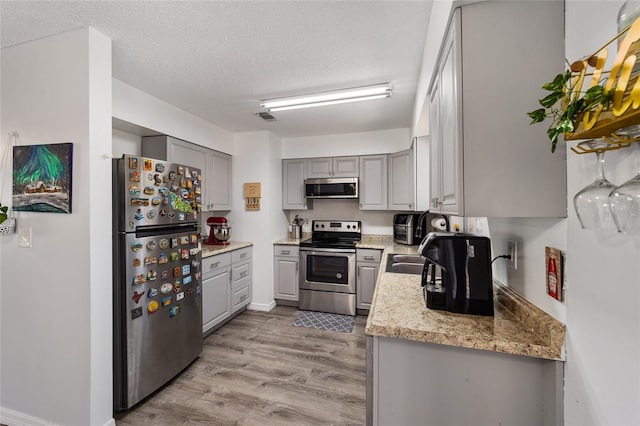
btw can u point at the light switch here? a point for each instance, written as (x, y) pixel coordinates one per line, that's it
(24, 237)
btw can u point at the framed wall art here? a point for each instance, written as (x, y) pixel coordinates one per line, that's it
(42, 178)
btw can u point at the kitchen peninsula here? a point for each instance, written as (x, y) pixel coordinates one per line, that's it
(436, 367)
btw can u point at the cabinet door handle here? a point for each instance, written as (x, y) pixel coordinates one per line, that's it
(296, 266)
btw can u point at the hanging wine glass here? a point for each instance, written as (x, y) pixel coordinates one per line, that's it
(625, 205)
(592, 202)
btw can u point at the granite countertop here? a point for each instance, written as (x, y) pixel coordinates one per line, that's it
(398, 310)
(208, 250)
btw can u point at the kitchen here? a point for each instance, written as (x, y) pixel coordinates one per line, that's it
(599, 322)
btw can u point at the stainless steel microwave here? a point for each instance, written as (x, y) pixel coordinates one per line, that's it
(331, 188)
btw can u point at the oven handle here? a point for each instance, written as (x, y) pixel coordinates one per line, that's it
(325, 251)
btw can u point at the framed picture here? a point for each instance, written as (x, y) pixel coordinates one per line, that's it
(42, 178)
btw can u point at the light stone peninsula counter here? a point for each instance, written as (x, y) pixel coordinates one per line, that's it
(398, 310)
(427, 366)
(210, 250)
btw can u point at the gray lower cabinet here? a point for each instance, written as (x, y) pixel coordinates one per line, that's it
(368, 266)
(216, 290)
(416, 383)
(240, 278)
(286, 269)
(226, 286)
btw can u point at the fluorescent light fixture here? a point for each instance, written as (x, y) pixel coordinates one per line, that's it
(356, 94)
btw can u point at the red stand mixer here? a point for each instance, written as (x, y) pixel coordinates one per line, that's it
(220, 231)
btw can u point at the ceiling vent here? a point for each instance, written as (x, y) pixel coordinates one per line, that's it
(265, 116)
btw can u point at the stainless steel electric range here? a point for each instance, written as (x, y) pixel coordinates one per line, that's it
(328, 267)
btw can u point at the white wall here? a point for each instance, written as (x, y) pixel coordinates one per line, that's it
(139, 108)
(257, 159)
(125, 143)
(532, 236)
(363, 143)
(602, 375)
(55, 298)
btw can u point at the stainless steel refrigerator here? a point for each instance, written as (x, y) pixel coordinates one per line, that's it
(157, 298)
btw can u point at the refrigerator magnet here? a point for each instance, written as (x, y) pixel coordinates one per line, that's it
(151, 245)
(153, 292)
(151, 214)
(152, 306)
(159, 167)
(174, 256)
(166, 301)
(177, 287)
(174, 311)
(138, 215)
(151, 275)
(186, 269)
(134, 176)
(150, 260)
(165, 275)
(147, 165)
(136, 246)
(149, 190)
(139, 279)
(190, 291)
(136, 262)
(135, 313)
(137, 296)
(186, 280)
(177, 271)
(180, 296)
(166, 288)
(134, 190)
(133, 163)
(163, 259)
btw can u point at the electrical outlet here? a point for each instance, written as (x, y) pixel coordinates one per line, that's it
(24, 237)
(513, 252)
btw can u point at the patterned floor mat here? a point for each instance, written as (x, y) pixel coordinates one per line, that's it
(325, 321)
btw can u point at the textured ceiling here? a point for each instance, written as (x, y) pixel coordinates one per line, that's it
(217, 59)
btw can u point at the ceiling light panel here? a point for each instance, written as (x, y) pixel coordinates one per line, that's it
(328, 98)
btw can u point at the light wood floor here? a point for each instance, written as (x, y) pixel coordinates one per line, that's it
(261, 370)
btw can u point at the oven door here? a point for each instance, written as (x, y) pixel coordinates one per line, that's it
(328, 270)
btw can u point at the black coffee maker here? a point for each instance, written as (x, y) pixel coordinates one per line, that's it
(457, 273)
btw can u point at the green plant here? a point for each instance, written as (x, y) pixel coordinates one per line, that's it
(3, 213)
(564, 106)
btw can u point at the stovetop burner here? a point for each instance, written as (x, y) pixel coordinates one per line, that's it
(333, 234)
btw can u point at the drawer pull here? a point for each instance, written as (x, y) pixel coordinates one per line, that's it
(285, 252)
(244, 296)
(214, 265)
(368, 258)
(243, 255)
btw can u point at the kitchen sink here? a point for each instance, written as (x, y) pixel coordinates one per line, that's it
(405, 263)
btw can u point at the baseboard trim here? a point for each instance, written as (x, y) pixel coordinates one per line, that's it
(16, 418)
(262, 306)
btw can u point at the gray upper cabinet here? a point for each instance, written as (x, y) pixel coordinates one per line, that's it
(178, 151)
(215, 167)
(293, 175)
(218, 181)
(373, 182)
(332, 167)
(402, 180)
(485, 158)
